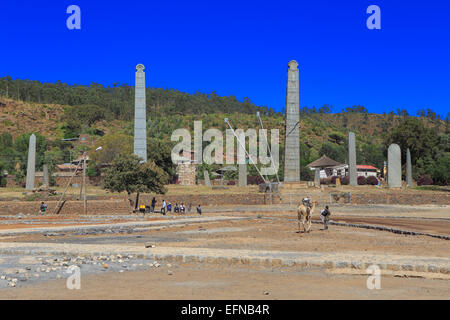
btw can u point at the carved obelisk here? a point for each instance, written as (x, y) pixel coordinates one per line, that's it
(242, 182)
(352, 171)
(140, 122)
(408, 168)
(292, 142)
(394, 166)
(31, 165)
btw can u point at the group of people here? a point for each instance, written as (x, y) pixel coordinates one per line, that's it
(176, 209)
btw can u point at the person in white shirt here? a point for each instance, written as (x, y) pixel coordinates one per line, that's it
(163, 209)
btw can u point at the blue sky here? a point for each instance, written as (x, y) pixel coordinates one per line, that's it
(241, 48)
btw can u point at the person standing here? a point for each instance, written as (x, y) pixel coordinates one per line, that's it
(163, 209)
(42, 208)
(153, 204)
(325, 217)
(199, 210)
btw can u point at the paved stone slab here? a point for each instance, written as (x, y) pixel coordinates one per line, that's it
(112, 226)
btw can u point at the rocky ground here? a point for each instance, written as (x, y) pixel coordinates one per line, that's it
(241, 252)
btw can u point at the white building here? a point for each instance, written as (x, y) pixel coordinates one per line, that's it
(329, 167)
(361, 169)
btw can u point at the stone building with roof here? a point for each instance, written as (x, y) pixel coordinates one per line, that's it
(329, 167)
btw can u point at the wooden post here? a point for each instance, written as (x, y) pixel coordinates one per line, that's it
(81, 191)
(67, 186)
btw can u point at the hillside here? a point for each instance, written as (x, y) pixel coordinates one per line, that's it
(17, 117)
(316, 129)
(58, 111)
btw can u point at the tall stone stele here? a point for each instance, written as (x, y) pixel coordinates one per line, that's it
(394, 166)
(408, 168)
(242, 165)
(140, 122)
(317, 178)
(292, 143)
(352, 172)
(207, 180)
(31, 165)
(46, 176)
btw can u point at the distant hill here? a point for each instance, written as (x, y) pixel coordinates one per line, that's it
(58, 111)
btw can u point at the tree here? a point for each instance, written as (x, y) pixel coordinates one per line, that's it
(429, 152)
(80, 118)
(440, 171)
(159, 151)
(336, 137)
(412, 134)
(21, 144)
(333, 151)
(371, 154)
(112, 146)
(127, 173)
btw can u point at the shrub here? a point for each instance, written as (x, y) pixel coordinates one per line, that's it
(372, 180)
(231, 182)
(345, 180)
(362, 180)
(425, 180)
(254, 180)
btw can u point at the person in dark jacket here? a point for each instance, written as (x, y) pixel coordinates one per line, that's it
(325, 217)
(42, 208)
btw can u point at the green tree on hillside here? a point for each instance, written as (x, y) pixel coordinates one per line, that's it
(21, 144)
(412, 134)
(127, 173)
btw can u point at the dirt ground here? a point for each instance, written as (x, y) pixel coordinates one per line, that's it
(218, 282)
(272, 232)
(280, 233)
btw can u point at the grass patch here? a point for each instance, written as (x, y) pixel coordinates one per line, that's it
(433, 188)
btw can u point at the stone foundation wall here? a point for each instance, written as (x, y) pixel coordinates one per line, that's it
(122, 206)
(60, 181)
(405, 199)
